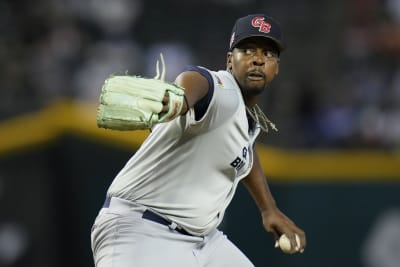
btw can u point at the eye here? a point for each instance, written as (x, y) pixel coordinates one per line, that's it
(249, 51)
(270, 54)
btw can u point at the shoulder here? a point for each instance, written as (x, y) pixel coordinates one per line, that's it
(224, 79)
(197, 73)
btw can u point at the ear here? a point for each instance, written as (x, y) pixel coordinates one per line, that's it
(229, 60)
(277, 68)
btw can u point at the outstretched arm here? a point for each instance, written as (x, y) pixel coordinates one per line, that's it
(274, 221)
(136, 103)
(196, 87)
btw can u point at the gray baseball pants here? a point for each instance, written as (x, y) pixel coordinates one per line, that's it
(121, 237)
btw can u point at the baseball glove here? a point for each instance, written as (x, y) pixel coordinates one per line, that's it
(135, 103)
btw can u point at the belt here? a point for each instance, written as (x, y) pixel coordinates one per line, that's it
(154, 217)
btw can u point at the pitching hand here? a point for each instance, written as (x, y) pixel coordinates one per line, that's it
(277, 223)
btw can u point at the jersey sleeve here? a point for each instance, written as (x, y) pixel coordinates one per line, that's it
(200, 108)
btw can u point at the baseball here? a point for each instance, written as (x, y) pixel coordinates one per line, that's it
(284, 244)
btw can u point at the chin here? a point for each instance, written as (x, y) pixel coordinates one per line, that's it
(252, 92)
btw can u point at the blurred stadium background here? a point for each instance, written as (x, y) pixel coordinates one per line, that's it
(334, 167)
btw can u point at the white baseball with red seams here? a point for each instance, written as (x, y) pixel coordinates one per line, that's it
(286, 246)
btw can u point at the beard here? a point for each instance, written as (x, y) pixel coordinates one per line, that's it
(249, 89)
(252, 90)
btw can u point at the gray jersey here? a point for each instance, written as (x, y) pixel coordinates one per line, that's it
(188, 169)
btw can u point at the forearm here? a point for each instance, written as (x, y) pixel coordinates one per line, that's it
(258, 187)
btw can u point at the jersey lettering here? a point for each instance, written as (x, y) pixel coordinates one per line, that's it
(236, 162)
(239, 162)
(244, 152)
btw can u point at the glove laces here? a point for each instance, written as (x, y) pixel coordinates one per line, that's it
(163, 70)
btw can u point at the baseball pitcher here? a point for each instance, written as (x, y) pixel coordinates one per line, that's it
(164, 207)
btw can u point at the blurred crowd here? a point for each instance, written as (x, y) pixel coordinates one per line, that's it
(340, 78)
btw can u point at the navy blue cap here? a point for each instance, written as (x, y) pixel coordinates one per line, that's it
(257, 25)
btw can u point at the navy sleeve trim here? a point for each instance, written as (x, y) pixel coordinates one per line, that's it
(200, 108)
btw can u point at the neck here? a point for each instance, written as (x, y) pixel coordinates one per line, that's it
(250, 100)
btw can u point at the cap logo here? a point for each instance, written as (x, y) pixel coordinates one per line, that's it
(258, 22)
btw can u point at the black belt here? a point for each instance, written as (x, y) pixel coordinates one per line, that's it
(149, 215)
(152, 216)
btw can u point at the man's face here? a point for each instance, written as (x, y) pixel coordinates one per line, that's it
(254, 63)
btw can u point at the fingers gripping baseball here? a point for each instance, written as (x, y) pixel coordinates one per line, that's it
(288, 237)
(286, 245)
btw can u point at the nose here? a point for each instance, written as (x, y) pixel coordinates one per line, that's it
(258, 58)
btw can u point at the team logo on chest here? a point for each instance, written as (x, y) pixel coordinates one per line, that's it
(240, 161)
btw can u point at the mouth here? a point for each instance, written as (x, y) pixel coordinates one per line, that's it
(255, 76)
